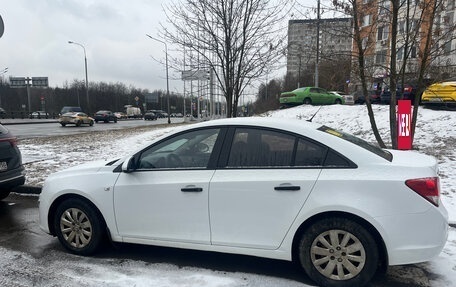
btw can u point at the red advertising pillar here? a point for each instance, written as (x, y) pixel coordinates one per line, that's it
(404, 124)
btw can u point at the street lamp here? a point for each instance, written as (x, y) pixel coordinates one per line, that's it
(87, 79)
(167, 78)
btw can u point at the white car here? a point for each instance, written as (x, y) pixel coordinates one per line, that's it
(276, 188)
(348, 99)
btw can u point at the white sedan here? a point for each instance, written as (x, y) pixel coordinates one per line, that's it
(276, 188)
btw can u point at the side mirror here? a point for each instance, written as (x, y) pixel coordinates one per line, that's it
(128, 165)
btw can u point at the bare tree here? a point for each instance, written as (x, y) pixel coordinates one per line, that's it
(238, 40)
(415, 46)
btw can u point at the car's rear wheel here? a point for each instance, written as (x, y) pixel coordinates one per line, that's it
(338, 101)
(63, 124)
(78, 227)
(307, 101)
(91, 123)
(337, 252)
(78, 123)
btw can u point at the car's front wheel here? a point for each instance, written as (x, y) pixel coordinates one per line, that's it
(336, 252)
(307, 101)
(78, 226)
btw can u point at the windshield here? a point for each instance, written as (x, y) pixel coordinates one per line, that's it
(359, 142)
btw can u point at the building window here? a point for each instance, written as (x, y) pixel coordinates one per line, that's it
(380, 57)
(366, 20)
(447, 48)
(382, 33)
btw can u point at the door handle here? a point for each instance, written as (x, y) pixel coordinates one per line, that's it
(287, 188)
(192, 189)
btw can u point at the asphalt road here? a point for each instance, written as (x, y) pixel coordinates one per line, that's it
(28, 128)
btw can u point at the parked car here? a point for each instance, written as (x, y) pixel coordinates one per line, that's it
(409, 93)
(160, 114)
(105, 116)
(286, 189)
(150, 116)
(348, 99)
(440, 94)
(40, 115)
(121, 115)
(77, 119)
(359, 98)
(68, 109)
(12, 173)
(309, 96)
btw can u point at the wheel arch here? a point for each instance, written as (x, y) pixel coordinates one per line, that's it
(383, 254)
(59, 200)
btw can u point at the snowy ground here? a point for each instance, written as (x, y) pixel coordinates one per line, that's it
(435, 135)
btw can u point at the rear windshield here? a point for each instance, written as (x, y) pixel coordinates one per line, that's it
(359, 142)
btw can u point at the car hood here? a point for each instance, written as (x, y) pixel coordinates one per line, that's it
(89, 167)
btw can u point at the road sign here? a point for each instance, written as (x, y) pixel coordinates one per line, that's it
(39, 81)
(17, 82)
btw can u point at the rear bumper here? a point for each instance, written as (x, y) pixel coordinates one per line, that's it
(11, 179)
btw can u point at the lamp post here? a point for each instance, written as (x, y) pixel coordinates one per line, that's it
(167, 77)
(87, 79)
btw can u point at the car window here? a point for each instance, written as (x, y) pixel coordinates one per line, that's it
(260, 148)
(309, 153)
(188, 150)
(313, 90)
(359, 142)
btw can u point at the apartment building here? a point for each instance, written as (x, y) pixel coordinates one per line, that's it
(334, 41)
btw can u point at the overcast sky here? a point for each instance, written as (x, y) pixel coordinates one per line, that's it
(35, 41)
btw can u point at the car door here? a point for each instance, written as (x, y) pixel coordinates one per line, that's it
(166, 196)
(266, 180)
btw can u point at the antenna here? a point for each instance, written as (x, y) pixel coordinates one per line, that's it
(310, 120)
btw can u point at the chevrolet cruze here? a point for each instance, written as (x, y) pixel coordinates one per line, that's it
(276, 188)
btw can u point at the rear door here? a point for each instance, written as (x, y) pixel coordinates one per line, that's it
(266, 179)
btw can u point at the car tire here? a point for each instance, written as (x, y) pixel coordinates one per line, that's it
(79, 227)
(91, 123)
(338, 102)
(307, 101)
(337, 252)
(78, 124)
(115, 120)
(4, 194)
(63, 124)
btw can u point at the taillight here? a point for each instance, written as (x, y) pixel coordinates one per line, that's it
(12, 141)
(428, 188)
(408, 90)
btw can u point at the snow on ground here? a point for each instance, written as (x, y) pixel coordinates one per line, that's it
(435, 135)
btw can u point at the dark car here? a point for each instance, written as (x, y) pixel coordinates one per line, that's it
(105, 116)
(374, 96)
(150, 116)
(409, 93)
(12, 172)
